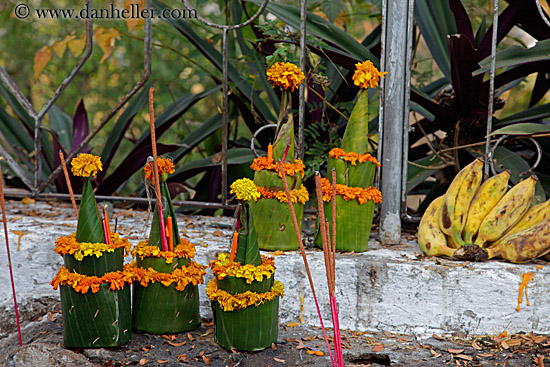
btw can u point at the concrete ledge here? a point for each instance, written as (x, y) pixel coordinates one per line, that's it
(383, 289)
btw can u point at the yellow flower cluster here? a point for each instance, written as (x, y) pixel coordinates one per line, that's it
(299, 195)
(367, 75)
(190, 274)
(239, 301)
(86, 165)
(245, 190)
(291, 169)
(165, 165)
(84, 283)
(224, 267)
(349, 193)
(68, 245)
(185, 250)
(285, 75)
(352, 157)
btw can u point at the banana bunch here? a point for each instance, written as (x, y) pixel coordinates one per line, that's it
(478, 220)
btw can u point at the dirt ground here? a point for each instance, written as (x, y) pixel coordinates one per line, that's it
(296, 346)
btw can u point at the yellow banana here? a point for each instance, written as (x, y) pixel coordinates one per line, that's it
(535, 214)
(507, 212)
(486, 197)
(430, 237)
(451, 243)
(457, 199)
(523, 246)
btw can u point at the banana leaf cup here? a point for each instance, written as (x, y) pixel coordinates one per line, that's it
(94, 284)
(165, 293)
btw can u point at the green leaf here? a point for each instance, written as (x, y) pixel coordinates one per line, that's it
(62, 126)
(167, 211)
(528, 128)
(515, 55)
(417, 175)
(355, 137)
(534, 113)
(89, 227)
(14, 132)
(285, 130)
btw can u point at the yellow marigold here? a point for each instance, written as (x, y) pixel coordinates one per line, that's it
(191, 274)
(299, 195)
(86, 165)
(245, 190)
(84, 283)
(165, 165)
(68, 245)
(349, 193)
(353, 157)
(239, 301)
(185, 250)
(285, 75)
(223, 267)
(291, 169)
(367, 75)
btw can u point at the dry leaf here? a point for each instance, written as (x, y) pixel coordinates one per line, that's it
(208, 332)
(437, 337)
(316, 352)
(142, 361)
(464, 356)
(177, 344)
(190, 337)
(182, 357)
(277, 253)
(134, 22)
(218, 233)
(455, 351)
(402, 339)
(387, 333)
(59, 47)
(484, 354)
(513, 342)
(504, 345)
(504, 334)
(476, 346)
(378, 348)
(435, 354)
(77, 45)
(41, 59)
(206, 360)
(51, 317)
(300, 345)
(279, 360)
(106, 39)
(160, 361)
(28, 200)
(540, 339)
(273, 347)
(293, 324)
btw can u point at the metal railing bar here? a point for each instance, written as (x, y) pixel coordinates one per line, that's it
(302, 89)
(16, 168)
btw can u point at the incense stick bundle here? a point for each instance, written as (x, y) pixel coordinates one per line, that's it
(302, 250)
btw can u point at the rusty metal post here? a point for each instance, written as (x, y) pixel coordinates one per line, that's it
(394, 121)
(302, 90)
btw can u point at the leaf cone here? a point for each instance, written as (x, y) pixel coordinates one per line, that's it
(248, 252)
(355, 137)
(285, 130)
(89, 227)
(167, 210)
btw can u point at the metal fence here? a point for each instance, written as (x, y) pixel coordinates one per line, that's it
(397, 43)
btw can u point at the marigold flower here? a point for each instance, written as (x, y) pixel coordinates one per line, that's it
(223, 267)
(84, 283)
(285, 75)
(191, 274)
(299, 195)
(185, 250)
(68, 245)
(291, 169)
(245, 190)
(353, 157)
(239, 301)
(86, 165)
(165, 165)
(350, 193)
(367, 75)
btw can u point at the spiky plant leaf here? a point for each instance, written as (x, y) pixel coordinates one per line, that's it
(89, 228)
(355, 137)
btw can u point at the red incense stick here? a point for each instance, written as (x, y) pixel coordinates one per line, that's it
(9, 257)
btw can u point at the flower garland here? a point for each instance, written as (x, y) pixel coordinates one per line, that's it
(367, 75)
(86, 165)
(299, 195)
(291, 169)
(165, 165)
(352, 157)
(84, 283)
(285, 75)
(349, 193)
(185, 250)
(223, 267)
(68, 245)
(190, 274)
(239, 301)
(245, 190)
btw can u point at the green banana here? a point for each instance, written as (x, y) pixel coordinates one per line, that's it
(535, 214)
(486, 197)
(507, 212)
(431, 239)
(457, 199)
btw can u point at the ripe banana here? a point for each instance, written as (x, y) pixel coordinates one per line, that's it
(430, 237)
(457, 199)
(507, 212)
(523, 246)
(486, 197)
(534, 215)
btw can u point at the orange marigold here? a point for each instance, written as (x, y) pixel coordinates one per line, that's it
(68, 245)
(353, 157)
(191, 274)
(84, 283)
(299, 195)
(165, 165)
(367, 75)
(349, 193)
(291, 169)
(223, 267)
(285, 75)
(185, 250)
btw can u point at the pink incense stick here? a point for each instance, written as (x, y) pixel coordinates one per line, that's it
(105, 232)
(302, 250)
(9, 256)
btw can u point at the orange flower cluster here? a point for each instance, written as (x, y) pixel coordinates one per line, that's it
(185, 250)
(285, 75)
(352, 157)
(84, 283)
(68, 245)
(223, 267)
(349, 193)
(291, 169)
(297, 195)
(165, 165)
(367, 75)
(190, 274)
